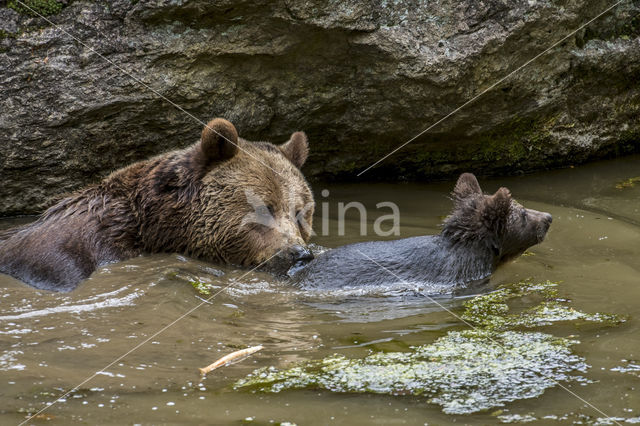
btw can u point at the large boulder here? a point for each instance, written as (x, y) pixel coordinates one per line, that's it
(98, 88)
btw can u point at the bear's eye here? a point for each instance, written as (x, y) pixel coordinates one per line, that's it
(265, 210)
(524, 215)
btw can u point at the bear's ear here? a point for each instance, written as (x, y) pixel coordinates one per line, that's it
(296, 149)
(219, 140)
(466, 186)
(496, 209)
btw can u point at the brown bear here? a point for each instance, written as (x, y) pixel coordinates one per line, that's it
(223, 199)
(482, 232)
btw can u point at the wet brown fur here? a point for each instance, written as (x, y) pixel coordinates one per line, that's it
(191, 201)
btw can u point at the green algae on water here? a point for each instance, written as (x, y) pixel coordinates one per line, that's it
(464, 371)
(204, 289)
(491, 311)
(628, 183)
(630, 367)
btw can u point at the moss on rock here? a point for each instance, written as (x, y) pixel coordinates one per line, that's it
(35, 7)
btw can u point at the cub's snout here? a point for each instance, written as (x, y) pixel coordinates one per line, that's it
(545, 223)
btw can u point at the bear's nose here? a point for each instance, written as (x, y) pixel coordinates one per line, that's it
(299, 253)
(547, 218)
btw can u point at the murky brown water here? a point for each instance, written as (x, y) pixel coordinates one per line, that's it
(50, 343)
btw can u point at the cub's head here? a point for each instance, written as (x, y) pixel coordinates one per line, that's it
(256, 207)
(496, 221)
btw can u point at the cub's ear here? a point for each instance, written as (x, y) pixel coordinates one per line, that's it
(296, 149)
(501, 201)
(219, 140)
(466, 186)
(496, 209)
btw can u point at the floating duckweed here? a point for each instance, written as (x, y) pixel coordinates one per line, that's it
(464, 371)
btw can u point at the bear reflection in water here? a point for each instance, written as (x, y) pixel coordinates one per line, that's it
(481, 233)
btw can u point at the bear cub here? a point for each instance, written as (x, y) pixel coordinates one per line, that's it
(481, 233)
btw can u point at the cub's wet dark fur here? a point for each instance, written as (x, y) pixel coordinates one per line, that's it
(482, 232)
(190, 201)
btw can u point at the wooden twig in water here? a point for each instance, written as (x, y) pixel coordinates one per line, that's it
(231, 357)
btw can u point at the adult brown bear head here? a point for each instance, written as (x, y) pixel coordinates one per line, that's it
(254, 206)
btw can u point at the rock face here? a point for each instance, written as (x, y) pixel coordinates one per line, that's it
(95, 89)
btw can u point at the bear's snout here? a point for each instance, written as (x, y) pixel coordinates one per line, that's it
(294, 256)
(299, 253)
(545, 223)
